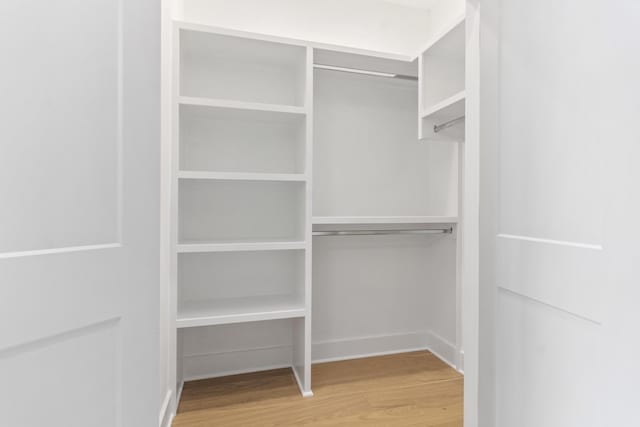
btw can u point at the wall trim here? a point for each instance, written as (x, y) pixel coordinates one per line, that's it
(165, 418)
(369, 346)
(235, 372)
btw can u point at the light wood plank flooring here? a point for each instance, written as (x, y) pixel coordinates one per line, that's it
(409, 389)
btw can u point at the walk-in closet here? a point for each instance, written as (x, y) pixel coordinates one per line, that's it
(317, 195)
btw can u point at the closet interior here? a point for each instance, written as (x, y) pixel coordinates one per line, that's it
(314, 218)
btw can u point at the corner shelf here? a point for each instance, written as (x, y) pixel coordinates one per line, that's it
(241, 105)
(346, 220)
(242, 176)
(239, 310)
(447, 109)
(202, 247)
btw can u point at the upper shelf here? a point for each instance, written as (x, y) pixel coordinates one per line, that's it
(241, 69)
(346, 220)
(449, 109)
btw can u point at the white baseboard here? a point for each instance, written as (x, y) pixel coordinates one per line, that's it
(179, 394)
(444, 350)
(165, 418)
(212, 365)
(304, 392)
(378, 345)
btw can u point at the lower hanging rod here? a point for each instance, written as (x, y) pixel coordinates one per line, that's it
(445, 125)
(448, 230)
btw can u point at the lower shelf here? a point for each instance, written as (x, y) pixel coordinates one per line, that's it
(237, 310)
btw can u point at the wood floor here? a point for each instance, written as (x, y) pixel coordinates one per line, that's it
(409, 389)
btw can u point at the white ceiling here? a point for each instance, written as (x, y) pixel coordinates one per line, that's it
(420, 4)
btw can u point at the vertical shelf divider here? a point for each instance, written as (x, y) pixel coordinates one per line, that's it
(302, 331)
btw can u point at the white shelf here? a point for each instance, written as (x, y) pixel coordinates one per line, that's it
(337, 220)
(241, 105)
(448, 109)
(242, 176)
(201, 247)
(238, 310)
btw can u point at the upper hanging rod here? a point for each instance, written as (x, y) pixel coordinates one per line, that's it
(367, 72)
(438, 128)
(448, 230)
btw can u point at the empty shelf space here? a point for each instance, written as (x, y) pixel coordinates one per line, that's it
(339, 220)
(448, 109)
(241, 105)
(240, 68)
(194, 247)
(241, 176)
(238, 310)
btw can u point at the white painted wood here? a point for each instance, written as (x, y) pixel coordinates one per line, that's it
(237, 213)
(442, 84)
(242, 213)
(240, 105)
(448, 109)
(240, 176)
(236, 310)
(300, 41)
(565, 153)
(468, 251)
(488, 179)
(79, 252)
(238, 247)
(364, 62)
(340, 220)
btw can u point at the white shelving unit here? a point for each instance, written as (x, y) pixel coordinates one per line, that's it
(250, 186)
(243, 218)
(442, 85)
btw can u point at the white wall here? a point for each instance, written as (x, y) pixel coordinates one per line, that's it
(382, 25)
(167, 392)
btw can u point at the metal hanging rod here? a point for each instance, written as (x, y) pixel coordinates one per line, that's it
(366, 72)
(448, 230)
(445, 125)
